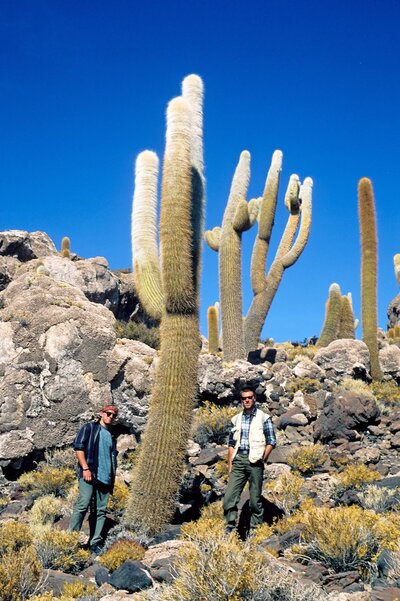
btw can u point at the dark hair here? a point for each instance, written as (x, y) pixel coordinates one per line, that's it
(248, 387)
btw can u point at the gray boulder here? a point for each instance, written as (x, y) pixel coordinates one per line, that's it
(132, 576)
(393, 312)
(389, 360)
(344, 357)
(26, 246)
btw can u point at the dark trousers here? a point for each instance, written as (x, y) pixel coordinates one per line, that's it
(243, 471)
(93, 496)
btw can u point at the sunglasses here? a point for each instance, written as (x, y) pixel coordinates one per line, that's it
(110, 414)
(245, 398)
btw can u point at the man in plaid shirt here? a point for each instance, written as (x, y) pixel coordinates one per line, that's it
(251, 440)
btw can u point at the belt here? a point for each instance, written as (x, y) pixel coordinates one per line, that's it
(243, 452)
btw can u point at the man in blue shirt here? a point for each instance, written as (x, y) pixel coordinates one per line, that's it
(251, 440)
(96, 453)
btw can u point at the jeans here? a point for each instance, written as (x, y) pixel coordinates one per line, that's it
(94, 495)
(243, 471)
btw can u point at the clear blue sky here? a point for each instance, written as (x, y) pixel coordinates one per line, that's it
(84, 87)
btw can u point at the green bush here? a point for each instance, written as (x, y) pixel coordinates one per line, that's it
(139, 331)
(211, 423)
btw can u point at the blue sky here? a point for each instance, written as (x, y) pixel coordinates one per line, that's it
(84, 87)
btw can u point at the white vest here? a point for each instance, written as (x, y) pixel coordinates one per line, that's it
(256, 435)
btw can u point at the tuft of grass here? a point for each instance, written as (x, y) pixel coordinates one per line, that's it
(356, 475)
(120, 552)
(386, 391)
(307, 385)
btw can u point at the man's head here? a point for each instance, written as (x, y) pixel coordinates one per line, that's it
(248, 398)
(108, 414)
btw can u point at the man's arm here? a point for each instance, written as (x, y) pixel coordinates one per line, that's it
(230, 458)
(270, 438)
(87, 474)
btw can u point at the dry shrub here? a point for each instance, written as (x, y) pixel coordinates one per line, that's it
(348, 538)
(211, 423)
(45, 510)
(298, 353)
(58, 549)
(287, 491)
(211, 566)
(20, 574)
(307, 459)
(379, 499)
(356, 475)
(63, 457)
(14, 536)
(221, 470)
(139, 331)
(119, 497)
(78, 590)
(356, 386)
(386, 391)
(48, 481)
(121, 551)
(307, 385)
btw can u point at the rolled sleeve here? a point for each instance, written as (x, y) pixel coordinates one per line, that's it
(269, 433)
(81, 439)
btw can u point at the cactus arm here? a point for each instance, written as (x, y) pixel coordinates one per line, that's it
(230, 266)
(66, 248)
(241, 220)
(192, 92)
(266, 218)
(304, 231)
(367, 218)
(213, 238)
(331, 325)
(176, 260)
(146, 268)
(396, 261)
(213, 337)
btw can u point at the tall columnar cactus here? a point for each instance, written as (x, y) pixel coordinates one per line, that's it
(347, 322)
(396, 261)
(213, 335)
(366, 212)
(66, 248)
(239, 216)
(330, 329)
(298, 202)
(158, 471)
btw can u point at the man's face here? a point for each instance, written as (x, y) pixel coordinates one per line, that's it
(248, 400)
(107, 417)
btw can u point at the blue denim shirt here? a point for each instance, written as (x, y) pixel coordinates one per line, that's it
(87, 440)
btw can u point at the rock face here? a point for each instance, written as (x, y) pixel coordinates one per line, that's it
(394, 312)
(60, 359)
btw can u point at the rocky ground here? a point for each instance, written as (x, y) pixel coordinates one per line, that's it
(61, 358)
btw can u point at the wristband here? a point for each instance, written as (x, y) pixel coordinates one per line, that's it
(86, 469)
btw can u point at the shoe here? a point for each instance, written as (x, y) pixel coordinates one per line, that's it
(229, 529)
(95, 549)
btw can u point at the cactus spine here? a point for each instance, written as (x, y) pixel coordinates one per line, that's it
(66, 248)
(298, 201)
(213, 337)
(330, 329)
(396, 261)
(157, 474)
(367, 218)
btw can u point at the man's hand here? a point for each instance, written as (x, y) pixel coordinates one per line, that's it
(267, 452)
(230, 458)
(87, 475)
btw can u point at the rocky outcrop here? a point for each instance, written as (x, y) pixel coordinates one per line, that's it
(393, 312)
(26, 246)
(344, 357)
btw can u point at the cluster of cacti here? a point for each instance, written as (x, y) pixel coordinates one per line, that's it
(66, 248)
(366, 211)
(339, 317)
(213, 329)
(170, 292)
(240, 337)
(396, 261)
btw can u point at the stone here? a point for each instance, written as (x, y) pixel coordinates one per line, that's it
(26, 246)
(344, 415)
(101, 576)
(389, 360)
(368, 455)
(344, 357)
(393, 312)
(54, 581)
(308, 369)
(385, 594)
(131, 576)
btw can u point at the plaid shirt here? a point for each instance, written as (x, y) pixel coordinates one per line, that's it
(245, 429)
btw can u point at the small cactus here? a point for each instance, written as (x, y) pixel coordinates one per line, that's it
(212, 320)
(66, 248)
(331, 325)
